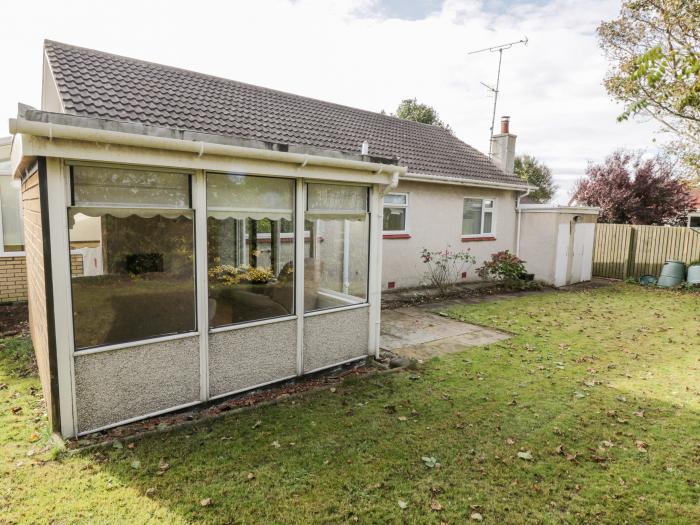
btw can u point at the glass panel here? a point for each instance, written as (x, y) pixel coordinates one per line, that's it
(695, 222)
(133, 274)
(394, 219)
(488, 204)
(395, 199)
(250, 247)
(471, 217)
(336, 268)
(5, 165)
(335, 198)
(488, 222)
(12, 232)
(107, 186)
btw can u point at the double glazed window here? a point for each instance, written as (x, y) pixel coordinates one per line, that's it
(132, 232)
(11, 231)
(337, 260)
(478, 217)
(250, 235)
(395, 211)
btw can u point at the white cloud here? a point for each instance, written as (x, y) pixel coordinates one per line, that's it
(349, 52)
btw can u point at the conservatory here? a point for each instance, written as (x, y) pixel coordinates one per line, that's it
(170, 268)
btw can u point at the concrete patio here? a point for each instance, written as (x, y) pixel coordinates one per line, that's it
(418, 332)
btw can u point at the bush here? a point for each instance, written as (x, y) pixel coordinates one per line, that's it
(503, 266)
(445, 266)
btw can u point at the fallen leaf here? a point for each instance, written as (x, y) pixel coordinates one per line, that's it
(510, 441)
(257, 424)
(131, 446)
(163, 465)
(136, 464)
(429, 461)
(276, 444)
(527, 456)
(250, 476)
(402, 504)
(476, 516)
(641, 445)
(117, 444)
(205, 502)
(402, 418)
(150, 492)
(435, 505)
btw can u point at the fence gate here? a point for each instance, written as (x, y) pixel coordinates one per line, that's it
(622, 250)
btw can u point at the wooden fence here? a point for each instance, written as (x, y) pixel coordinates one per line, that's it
(623, 250)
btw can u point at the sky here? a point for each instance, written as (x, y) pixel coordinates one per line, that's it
(369, 54)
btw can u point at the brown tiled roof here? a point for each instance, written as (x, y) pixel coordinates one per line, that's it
(96, 84)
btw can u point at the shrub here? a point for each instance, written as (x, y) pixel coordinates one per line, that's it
(445, 266)
(503, 266)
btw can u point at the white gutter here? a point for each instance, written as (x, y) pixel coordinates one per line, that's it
(519, 210)
(62, 131)
(441, 179)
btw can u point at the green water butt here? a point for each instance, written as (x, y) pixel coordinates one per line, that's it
(672, 274)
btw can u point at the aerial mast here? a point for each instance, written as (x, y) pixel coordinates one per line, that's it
(496, 90)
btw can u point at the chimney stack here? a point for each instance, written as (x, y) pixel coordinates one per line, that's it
(505, 125)
(503, 147)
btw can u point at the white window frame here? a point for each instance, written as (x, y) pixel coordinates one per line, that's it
(406, 229)
(3, 253)
(492, 210)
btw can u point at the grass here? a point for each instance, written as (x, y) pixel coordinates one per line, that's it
(600, 388)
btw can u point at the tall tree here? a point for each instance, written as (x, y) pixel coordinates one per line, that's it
(411, 109)
(630, 189)
(654, 52)
(537, 174)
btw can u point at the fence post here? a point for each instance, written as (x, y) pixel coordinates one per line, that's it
(631, 259)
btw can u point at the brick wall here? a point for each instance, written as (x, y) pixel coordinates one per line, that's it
(13, 279)
(76, 264)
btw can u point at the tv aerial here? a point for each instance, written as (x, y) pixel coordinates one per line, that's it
(495, 90)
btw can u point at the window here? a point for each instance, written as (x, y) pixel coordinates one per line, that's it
(395, 210)
(250, 236)
(132, 239)
(12, 233)
(694, 221)
(477, 217)
(336, 263)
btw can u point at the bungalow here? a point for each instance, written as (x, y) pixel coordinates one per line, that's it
(189, 237)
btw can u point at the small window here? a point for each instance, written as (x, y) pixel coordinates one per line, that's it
(131, 236)
(12, 238)
(478, 217)
(395, 212)
(695, 221)
(336, 261)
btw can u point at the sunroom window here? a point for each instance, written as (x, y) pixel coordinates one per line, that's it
(395, 212)
(250, 236)
(12, 238)
(477, 217)
(336, 262)
(131, 233)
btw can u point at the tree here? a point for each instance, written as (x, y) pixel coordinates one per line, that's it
(411, 109)
(537, 174)
(630, 189)
(654, 50)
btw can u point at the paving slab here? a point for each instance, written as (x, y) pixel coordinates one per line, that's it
(417, 332)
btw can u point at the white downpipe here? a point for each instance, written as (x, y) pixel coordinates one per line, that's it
(346, 256)
(520, 215)
(62, 131)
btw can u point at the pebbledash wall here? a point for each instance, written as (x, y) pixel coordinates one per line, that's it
(434, 221)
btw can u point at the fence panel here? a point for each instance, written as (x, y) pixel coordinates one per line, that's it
(623, 250)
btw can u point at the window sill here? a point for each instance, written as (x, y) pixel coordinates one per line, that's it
(397, 236)
(479, 239)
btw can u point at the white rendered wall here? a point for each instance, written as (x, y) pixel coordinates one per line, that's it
(435, 221)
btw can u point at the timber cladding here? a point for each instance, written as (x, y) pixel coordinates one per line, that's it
(39, 283)
(13, 279)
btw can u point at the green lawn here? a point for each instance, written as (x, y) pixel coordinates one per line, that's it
(590, 414)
